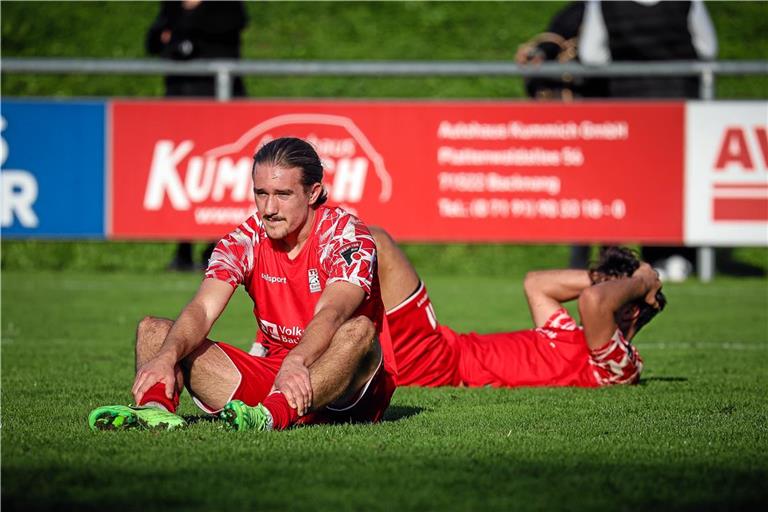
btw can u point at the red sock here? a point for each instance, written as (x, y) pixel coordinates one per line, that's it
(157, 394)
(283, 415)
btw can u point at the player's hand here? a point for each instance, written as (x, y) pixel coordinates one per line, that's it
(159, 369)
(528, 55)
(651, 280)
(599, 277)
(293, 381)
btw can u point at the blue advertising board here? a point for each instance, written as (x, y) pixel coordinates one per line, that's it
(53, 169)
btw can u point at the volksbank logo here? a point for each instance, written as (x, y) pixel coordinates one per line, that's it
(273, 279)
(281, 333)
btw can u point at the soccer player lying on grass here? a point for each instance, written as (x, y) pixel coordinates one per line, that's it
(311, 272)
(615, 299)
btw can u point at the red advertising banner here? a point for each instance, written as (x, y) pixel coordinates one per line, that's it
(426, 171)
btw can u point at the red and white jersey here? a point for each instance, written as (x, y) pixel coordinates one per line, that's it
(616, 362)
(284, 291)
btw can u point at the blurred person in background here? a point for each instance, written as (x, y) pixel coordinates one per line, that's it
(650, 30)
(195, 29)
(559, 43)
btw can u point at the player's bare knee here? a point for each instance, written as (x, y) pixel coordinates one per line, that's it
(358, 332)
(150, 326)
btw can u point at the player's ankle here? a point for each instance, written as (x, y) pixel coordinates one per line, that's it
(157, 405)
(283, 415)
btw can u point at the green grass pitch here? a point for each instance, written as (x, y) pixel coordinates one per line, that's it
(692, 436)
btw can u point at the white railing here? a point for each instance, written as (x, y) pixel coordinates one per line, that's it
(223, 70)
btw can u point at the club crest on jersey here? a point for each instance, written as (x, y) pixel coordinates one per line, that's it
(350, 252)
(314, 281)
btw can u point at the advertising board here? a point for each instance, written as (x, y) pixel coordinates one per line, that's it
(427, 171)
(53, 160)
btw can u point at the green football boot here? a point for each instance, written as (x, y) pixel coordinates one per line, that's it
(121, 417)
(238, 416)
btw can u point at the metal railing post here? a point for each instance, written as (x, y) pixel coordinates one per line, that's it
(223, 83)
(705, 256)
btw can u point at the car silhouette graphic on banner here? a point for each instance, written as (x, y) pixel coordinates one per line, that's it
(171, 181)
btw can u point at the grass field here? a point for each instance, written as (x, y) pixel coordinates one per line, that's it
(692, 436)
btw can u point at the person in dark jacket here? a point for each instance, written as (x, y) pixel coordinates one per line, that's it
(194, 29)
(650, 30)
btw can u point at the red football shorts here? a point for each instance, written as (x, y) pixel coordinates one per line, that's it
(424, 357)
(257, 374)
(555, 354)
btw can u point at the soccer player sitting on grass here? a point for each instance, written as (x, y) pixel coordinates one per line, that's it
(311, 272)
(616, 298)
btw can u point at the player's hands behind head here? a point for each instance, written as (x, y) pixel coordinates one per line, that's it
(650, 279)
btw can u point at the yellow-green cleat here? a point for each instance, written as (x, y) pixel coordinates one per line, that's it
(238, 416)
(122, 417)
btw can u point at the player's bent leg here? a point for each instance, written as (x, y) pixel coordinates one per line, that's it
(212, 379)
(150, 335)
(347, 365)
(211, 376)
(338, 376)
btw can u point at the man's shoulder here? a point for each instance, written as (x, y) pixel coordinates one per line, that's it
(250, 229)
(244, 238)
(336, 223)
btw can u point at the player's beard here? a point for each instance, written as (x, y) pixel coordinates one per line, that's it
(277, 229)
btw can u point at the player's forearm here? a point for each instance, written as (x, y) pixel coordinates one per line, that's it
(561, 285)
(187, 332)
(318, 335)
(609, 296)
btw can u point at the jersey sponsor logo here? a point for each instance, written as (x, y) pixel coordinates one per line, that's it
(273, 279)
(314, 281)
(281, 333)
(351, 252)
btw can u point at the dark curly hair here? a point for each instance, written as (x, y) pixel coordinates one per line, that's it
(614, 262)
(290, 152)
(619, 262)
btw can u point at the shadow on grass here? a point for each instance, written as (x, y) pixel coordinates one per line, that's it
(191, 419)
(400, 412)
(649, 380)
(394, 413)
(447, 483)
